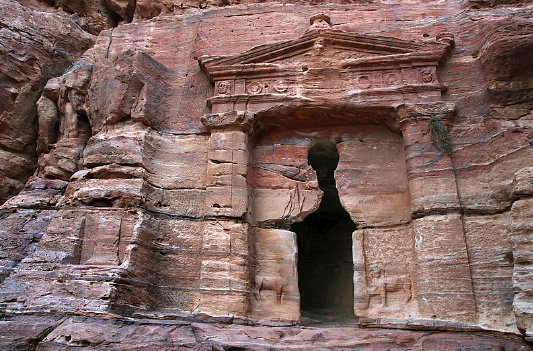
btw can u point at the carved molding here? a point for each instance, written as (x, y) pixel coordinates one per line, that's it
(414, 112)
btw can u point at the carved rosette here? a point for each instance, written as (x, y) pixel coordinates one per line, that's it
(427, 75)
(392, 79)
(364, 82)
(280, 87)
(224, 88)
(254, 88)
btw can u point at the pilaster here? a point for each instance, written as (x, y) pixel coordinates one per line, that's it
(444, 282)
(225, 267)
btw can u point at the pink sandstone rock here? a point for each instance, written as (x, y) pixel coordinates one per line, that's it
(187, 161)
(35, 47)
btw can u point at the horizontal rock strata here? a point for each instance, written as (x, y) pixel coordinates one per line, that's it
(62, 333)
(161, 177)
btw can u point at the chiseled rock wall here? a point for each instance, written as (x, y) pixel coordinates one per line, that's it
(138, 207)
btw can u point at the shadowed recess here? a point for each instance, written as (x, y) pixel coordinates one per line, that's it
(325, 267)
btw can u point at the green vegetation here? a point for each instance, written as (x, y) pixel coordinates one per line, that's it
(440, 136)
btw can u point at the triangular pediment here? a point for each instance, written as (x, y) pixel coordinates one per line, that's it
(324, 47)
(327, 64)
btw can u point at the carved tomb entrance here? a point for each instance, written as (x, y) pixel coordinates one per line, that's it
(382, 92)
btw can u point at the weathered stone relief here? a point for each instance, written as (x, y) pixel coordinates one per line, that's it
(381, 284)
(275, 291)
(385, 275)
(106, 238)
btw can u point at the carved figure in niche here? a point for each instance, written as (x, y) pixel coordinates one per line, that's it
(277, 284)
(379, 285)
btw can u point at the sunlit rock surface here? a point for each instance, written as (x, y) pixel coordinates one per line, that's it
(219, 175)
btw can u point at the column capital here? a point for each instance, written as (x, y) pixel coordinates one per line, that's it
(239, 119)
(415, 112)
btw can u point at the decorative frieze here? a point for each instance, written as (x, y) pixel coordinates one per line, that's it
(254, 87)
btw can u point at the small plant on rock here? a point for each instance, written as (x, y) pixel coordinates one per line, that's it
(439, 135)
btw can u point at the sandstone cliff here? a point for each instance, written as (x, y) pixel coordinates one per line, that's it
(267, 164)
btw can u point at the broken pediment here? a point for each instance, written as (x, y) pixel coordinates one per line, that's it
(328, 62)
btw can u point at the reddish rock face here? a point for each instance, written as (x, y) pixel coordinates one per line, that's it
(265, 164)
(35, 47)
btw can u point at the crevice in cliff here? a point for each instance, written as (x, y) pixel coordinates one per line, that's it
(284, 171)
(325, 272)
(500, 158)
(189, 218)
(436, 211)
(463, 211)
(109, 43)
(169, 189)
(505, 209)
(8, 210)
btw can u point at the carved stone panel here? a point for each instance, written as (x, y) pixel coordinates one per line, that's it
(275, 291)
(390, 273)
(106, 237)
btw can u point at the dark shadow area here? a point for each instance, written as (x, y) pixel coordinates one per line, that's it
(325, 266)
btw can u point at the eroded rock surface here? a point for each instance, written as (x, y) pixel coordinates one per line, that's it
(64, 333)
(35, 47)
(176, 175)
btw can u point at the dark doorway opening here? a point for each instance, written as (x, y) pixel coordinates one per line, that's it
(325, 265)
